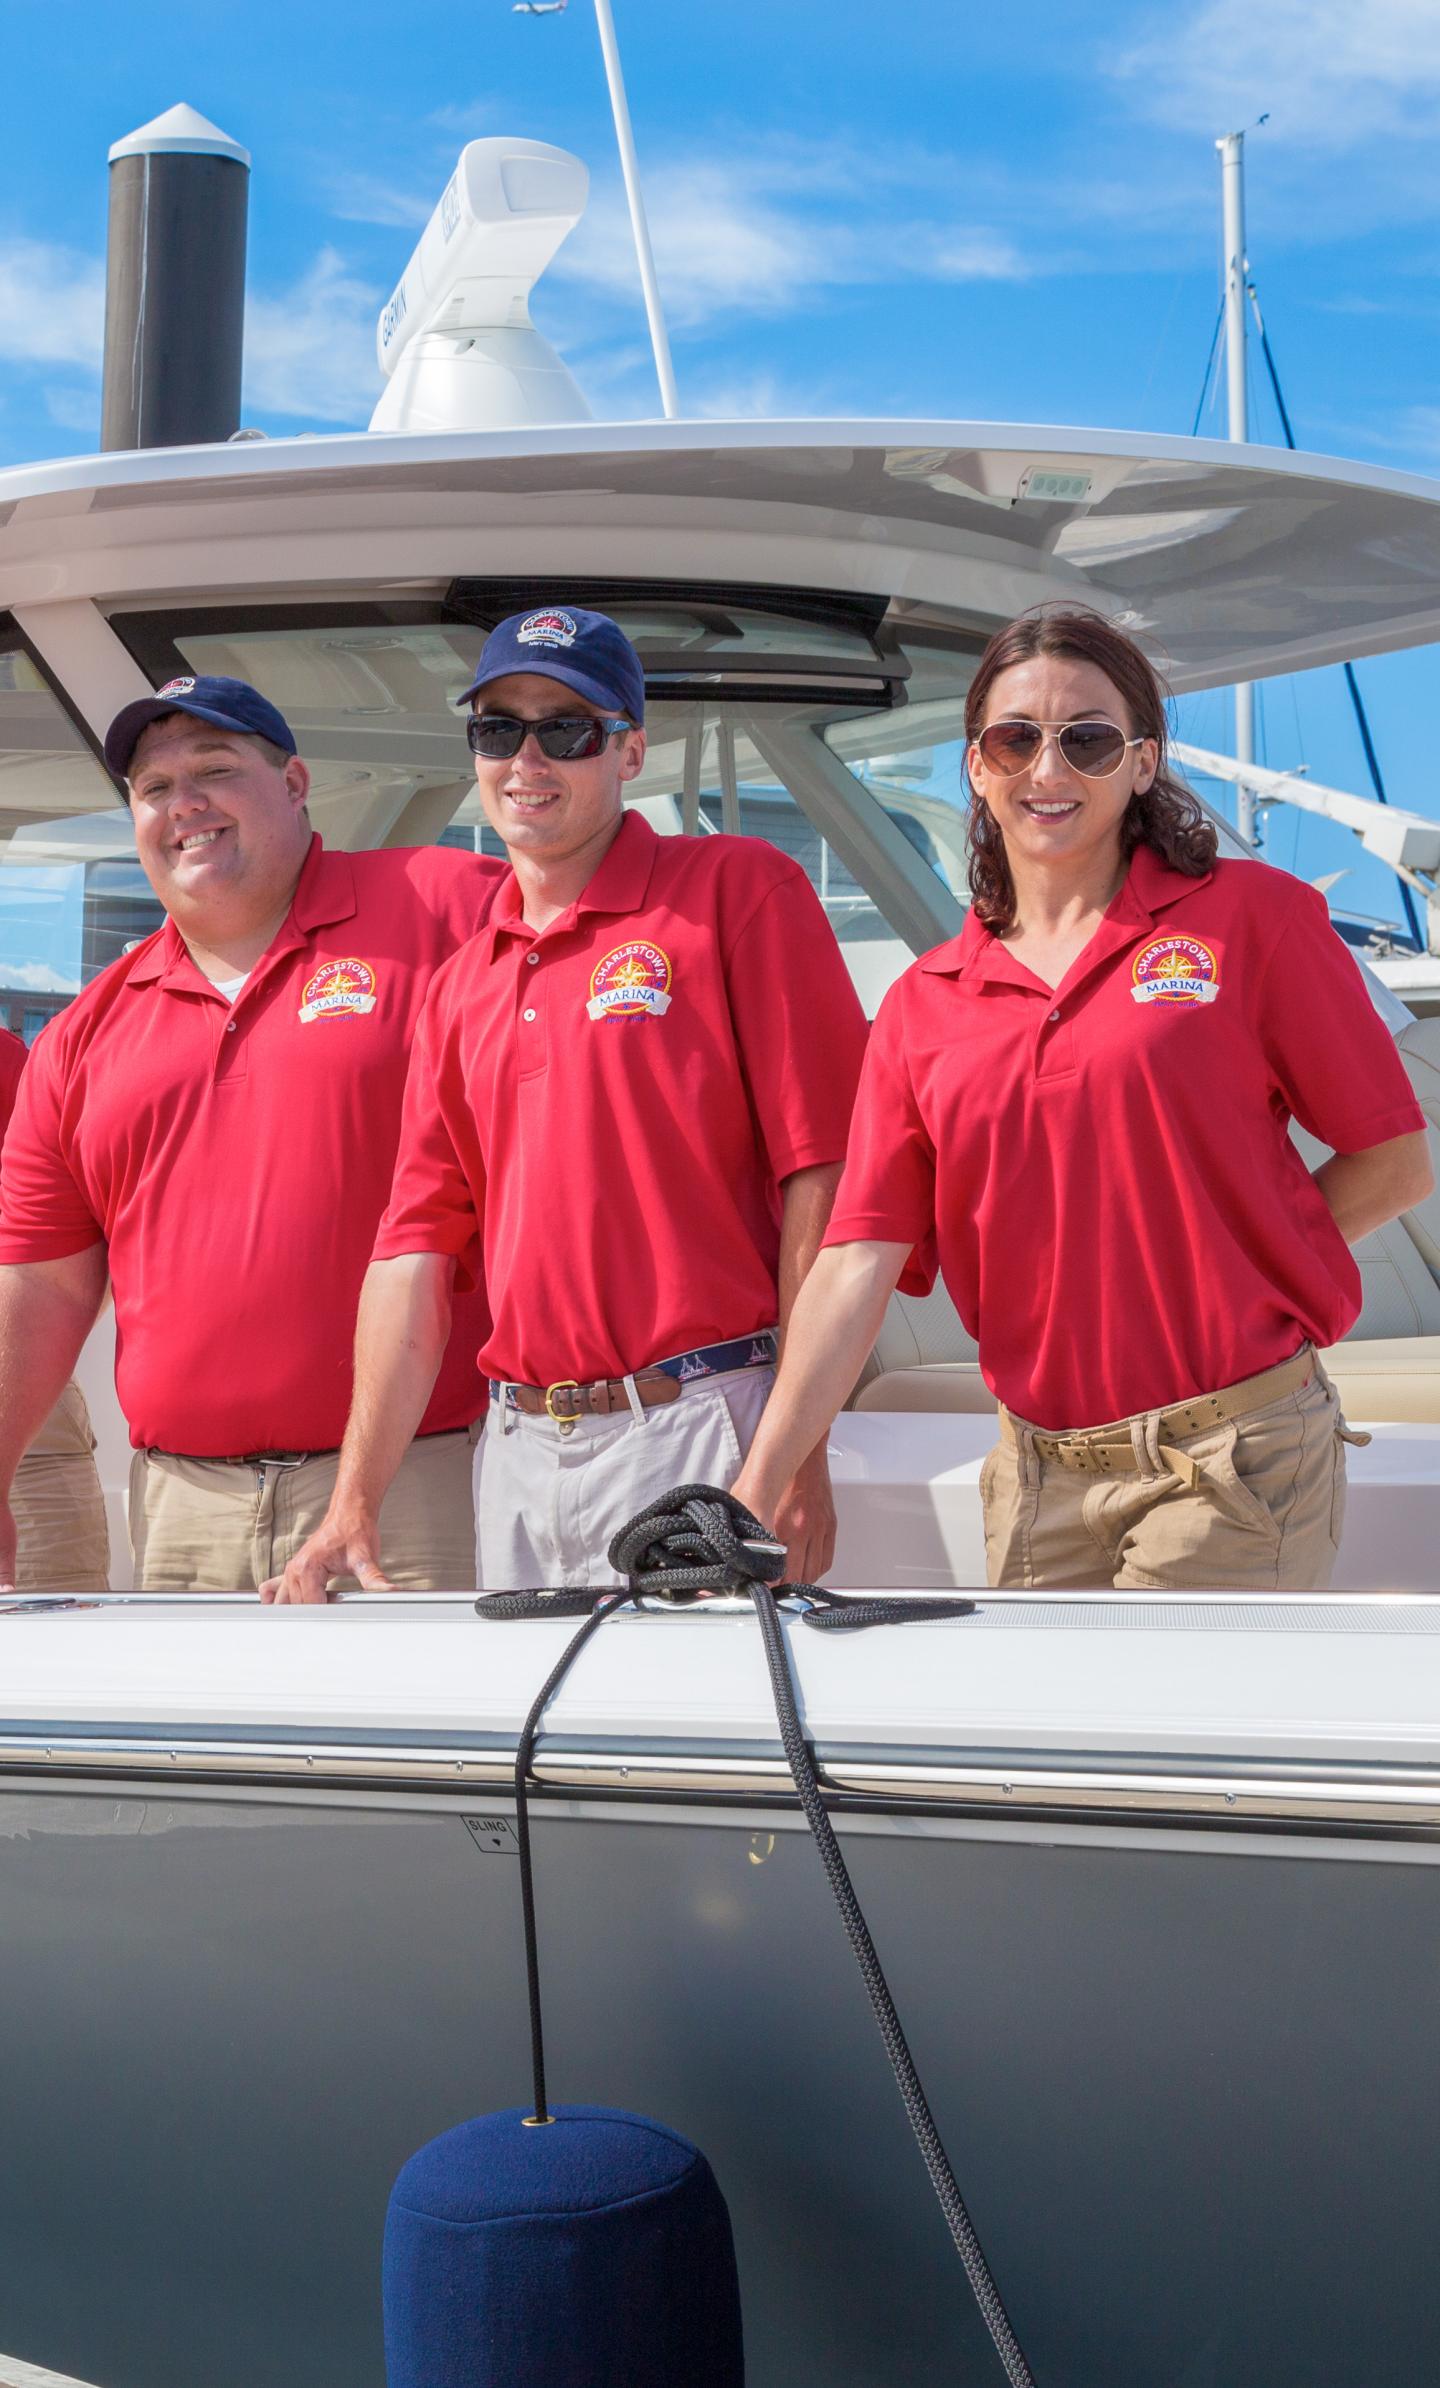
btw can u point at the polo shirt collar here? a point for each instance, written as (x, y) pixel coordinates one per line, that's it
(324, 894)
(619, 883)
(1151, 885)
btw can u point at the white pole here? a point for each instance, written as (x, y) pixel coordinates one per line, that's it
(630, 168)
(1232, 187)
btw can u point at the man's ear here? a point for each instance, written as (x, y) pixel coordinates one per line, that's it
(632, 759)
(297, 780)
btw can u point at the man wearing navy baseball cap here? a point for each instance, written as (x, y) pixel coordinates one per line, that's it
(626, 1113)
(211, 1125)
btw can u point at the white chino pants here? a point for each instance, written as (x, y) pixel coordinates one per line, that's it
(548, 1499)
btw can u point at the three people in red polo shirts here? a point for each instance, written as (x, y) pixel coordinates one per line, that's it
(629, 1094)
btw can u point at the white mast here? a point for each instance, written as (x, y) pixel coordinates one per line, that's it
(1232, 183)
(630, 168)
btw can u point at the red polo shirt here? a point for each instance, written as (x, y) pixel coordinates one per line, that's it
(1122, 1219)
(599, 1116)
(12, 1062)
(236, 1160)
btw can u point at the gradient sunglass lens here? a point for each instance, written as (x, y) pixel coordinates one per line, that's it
(1095, 749)
(1010, 747)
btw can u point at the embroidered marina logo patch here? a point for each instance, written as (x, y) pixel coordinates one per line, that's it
(1175, 970)
(176, 688)
(546, 630)
(632, 980)
(337, 988)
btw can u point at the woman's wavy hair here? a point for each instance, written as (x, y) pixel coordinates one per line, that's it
(1166, 817)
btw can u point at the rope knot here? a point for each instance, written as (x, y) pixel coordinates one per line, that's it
(696, 1539)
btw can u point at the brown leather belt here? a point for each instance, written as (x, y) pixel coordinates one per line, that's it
(1108, 1450)
(566, 1401)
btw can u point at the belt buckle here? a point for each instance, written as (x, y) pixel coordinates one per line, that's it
(564, 1419)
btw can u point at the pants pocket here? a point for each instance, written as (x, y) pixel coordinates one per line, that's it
(1226, 1482)
(1338, 1484)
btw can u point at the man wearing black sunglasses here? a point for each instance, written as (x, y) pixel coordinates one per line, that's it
(626, 1113)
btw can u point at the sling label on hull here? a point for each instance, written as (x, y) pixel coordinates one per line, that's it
(494, 1836)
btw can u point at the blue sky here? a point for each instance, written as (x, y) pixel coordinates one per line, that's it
(858, 208)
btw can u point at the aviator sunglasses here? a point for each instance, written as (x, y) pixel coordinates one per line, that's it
(1096, 749)
(563, 737)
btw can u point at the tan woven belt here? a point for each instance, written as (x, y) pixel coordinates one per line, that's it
(1105, 1451)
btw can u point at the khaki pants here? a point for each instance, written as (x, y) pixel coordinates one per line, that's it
(214, 1525)
(1259, 1505)
(59, 1507)
(549, 1498)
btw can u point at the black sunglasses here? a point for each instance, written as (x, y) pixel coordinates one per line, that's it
(564, 737)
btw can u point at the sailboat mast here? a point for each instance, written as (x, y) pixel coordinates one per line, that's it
(1232, 188)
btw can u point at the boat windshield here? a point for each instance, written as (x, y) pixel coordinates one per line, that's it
(72, 894)
(820, 730)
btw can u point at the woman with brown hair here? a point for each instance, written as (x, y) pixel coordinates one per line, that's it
(1079, 1109)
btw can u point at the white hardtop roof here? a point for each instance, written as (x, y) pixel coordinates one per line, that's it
(1347, 1681)
(1233, 562)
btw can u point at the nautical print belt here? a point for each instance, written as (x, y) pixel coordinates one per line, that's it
(660, 1381)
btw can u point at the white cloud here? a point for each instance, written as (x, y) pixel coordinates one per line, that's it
(52, 305)
(761, 395)
(981, 258)
(36, 978)
(310, 350)
(1332, 73)
(746, 234)
(76, 409)
(369, 199)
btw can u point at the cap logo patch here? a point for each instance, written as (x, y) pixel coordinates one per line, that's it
(176, 688)
(546, 630)
(630, 982)
(337, 988)
(1175, 970)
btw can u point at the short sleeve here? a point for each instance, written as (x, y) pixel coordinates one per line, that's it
(44, 1213)
(799, 1025)
(12, 1067)
(1333, 1059)
(435, 1198)
(887, 1193)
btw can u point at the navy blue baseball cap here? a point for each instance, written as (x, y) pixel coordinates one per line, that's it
(225, 704)
(583, 651)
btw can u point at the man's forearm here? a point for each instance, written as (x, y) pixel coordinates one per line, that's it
(807, 1200)
(47, 1309)
(836, 1319)
(400, 1337)
(1365, 1189)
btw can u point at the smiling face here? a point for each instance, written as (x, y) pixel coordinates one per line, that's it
(1049, 813)
(552, 813)
(220, 828)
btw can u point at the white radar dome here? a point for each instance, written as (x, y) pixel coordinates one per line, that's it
(454, 338)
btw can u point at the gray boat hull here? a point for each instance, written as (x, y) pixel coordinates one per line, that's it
(1187, 2077)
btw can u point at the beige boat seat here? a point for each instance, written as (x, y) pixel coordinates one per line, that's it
(1387, 1367)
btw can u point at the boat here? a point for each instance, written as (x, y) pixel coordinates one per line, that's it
(1153, 1877)
(1154, 1882)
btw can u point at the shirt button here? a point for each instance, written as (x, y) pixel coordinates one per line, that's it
(529, 1015)
(1054, 1015)
(230, 1028)
(532, 959)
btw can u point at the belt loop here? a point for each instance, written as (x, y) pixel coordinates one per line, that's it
(502, 1395)
(1145, 1442)
(632, 1395)
(1026, 1464)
